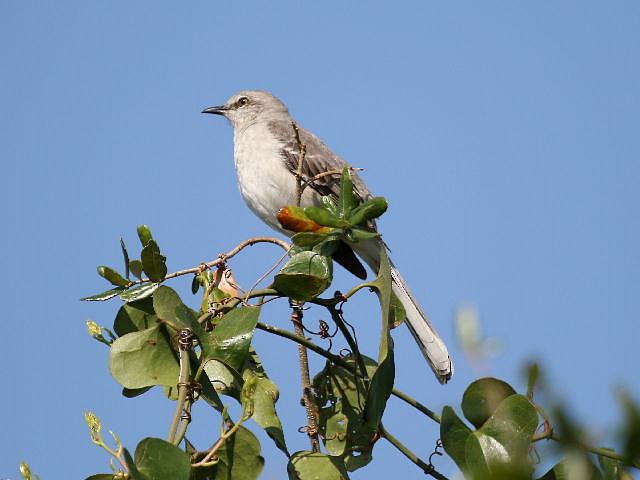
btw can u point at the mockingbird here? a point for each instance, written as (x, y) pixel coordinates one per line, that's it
(266, 153)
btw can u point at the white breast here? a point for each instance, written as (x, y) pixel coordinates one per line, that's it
(265, 182)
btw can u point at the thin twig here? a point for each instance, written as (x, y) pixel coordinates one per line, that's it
(312, 421)
(303, 151)
(207, 460)
(353, 345)
(417, 405)
(603, 452)
(264, 275)
(223, 257)
(424, 466)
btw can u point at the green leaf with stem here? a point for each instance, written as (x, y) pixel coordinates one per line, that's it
(112, 276)
(169, 308)
(101, 297)
(383, 378)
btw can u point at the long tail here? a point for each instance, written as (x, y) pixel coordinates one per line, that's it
(430, 343)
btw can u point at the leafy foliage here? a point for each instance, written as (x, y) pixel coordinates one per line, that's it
(206, 353)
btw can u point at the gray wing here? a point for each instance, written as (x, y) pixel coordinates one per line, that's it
(318, 159)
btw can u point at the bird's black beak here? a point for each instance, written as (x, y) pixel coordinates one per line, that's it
(219, 110)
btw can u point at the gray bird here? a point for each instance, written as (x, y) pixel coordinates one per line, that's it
(266, 154)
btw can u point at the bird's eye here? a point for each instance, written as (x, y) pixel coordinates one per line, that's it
(242, 101)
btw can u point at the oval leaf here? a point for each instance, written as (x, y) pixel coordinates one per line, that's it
(306, 275)
(143, 359)
(482, 397)
(307, 465)
(153, 262)
(112, 276)
(157, 459)
(144, 234)
(369, 210)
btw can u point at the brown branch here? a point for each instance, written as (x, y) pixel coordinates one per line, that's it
(312, 421)
(222, 258)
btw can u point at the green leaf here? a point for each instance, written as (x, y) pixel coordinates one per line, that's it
(348, 200)
(369, 210)
(139, 292)
(336, 432)
(225, 380)
(397, 313)
(340, 400)
(482, 397)
(125, 255)
(153, 262)
(308, 239)
(135, 316)
(134, 392)
(454, 434)
(101, 476)
(131, 465)
(330, 204)
(265, 397)
(324, 217)
(501, 446)
(144, 234)
(157, 459)
(144, 358)
(630, 432)
(230, 340)
(136, 268)
(169, 308)
(307, 465)
(101, 297)
(112, 276)
(356, 235)
(306, 275)
(576, 466)
(239, 458)
(611, 469)
(383, 378)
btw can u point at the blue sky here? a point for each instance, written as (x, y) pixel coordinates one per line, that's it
(504, 135)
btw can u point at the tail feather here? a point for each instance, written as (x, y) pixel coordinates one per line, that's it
(430, 343)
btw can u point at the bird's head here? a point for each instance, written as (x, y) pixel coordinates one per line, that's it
(247, 107)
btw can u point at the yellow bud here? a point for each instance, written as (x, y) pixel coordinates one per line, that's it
(25, 471)
(93, 328)
(94, 424)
